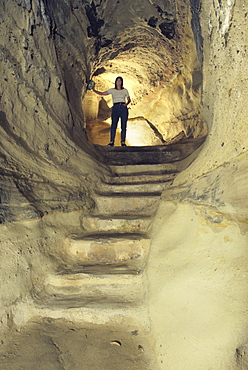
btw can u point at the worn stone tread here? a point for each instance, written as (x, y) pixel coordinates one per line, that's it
(121, 224)
(147, 188)
(104, 253)
(157, 154)
(146, 169)
(105, 236)
(82, 290)
(140, 179)
(126, 205)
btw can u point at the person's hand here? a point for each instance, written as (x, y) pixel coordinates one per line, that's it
(91, 85)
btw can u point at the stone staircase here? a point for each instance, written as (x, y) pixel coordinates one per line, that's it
(104, 267)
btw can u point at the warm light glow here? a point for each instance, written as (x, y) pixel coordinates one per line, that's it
(162, 106)
(139, 132)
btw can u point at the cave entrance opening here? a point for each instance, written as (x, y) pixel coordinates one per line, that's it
(162, 74)
(164, 108)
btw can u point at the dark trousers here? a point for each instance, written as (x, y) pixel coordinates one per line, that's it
(119, 111)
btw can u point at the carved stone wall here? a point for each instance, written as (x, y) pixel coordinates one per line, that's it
(191, 312)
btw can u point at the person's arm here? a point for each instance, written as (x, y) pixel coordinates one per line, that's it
(128, 101)
(100, 93)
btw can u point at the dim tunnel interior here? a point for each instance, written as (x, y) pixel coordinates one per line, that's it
(95, 203)
(123, 257)
(158, 59)
(151, 44)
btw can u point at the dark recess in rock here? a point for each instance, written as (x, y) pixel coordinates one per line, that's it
(168, 29)
(196, 27)
(105, 42)
(97, 45)
(129, 46)
(26, 4)
(152, 22)
(113, 54)
(95, 23)
(99, 71)
(165, 15)
(159, 9)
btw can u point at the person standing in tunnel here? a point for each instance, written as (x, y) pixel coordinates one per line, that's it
(121, 99)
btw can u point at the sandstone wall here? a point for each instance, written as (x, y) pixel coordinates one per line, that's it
(47, 165)
(197, 268)
(199, 288)
(44, 149)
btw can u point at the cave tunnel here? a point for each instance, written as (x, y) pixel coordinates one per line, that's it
(157, 57)
(123, 257)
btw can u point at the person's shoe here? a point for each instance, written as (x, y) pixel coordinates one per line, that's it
(123, 144)
(111, 143)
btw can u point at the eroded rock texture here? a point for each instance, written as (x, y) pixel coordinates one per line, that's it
(42, 133)
(125, 259)
(202, 238)
(151, 44)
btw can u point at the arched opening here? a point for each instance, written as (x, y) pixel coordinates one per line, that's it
(161, 72)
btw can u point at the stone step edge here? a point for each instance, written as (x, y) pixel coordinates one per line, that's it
(86, 279)
(137, 194)
(140, 180)
(119, 217)
(123, 171)
(126, 214)
(122, 225)
(141, 196)
(94, 291)
(106, 235)
(28, 311)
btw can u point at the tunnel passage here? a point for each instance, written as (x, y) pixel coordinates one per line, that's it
(156, 55)
(58, 186)
(59, 48)
(197, 265)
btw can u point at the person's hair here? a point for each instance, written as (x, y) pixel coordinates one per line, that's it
(119, 77)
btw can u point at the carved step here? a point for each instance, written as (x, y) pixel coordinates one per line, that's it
(80, 290)
(132, 188)
(141, 179)
(116, 225)
(146, 169)
(139, 155)
(104, 254)
(120, 157)
(138, 205)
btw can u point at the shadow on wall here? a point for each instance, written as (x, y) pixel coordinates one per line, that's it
(104, 111)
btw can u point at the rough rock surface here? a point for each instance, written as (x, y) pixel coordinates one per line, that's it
(200, 231)
(151, 44)
(171, 290)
